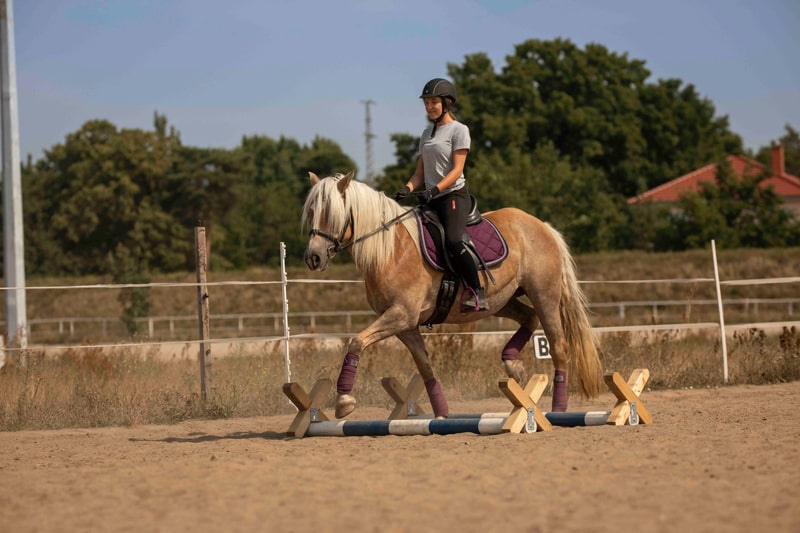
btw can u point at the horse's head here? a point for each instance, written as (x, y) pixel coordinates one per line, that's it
(330, 221)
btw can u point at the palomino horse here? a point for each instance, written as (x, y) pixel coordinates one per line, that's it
(383, 239)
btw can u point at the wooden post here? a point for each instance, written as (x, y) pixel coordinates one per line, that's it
(309, 405)
(405, 398)
(628, 393)
(204, 355)
(524, 399)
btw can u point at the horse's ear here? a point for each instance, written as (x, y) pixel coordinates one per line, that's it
(314, 178)
(345, 181)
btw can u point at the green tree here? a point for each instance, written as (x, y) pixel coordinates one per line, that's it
(396, 175)
(270, 195)
(100, 191)
(596, 107)
(202, 183)
(547, 185)
(588, 117)
(681, 132)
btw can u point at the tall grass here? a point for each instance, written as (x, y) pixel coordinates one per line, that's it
(128, 386)
(89, 387)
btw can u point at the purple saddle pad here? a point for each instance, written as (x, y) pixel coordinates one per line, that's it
(488, 241)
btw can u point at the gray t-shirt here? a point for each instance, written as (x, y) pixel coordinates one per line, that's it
(437, 153)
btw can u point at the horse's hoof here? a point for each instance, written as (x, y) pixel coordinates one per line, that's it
(345, 404)
(516, 369)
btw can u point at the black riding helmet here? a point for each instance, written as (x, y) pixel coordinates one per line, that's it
(439, 87)
(443, 89)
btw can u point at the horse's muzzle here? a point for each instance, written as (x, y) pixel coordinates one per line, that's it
(314, 261)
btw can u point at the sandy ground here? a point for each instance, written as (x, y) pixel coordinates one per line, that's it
(714, 460)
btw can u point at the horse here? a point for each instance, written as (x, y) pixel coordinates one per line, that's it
(383, 239)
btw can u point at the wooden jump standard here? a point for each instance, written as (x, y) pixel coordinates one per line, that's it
(408, 418)
(525, 417)
(629, 408)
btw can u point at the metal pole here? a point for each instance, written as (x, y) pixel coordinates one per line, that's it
(721, 315)
(13, 241)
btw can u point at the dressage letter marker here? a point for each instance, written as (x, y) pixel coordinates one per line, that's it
(540, 347)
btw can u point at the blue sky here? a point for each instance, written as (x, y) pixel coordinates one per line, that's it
(301, 68)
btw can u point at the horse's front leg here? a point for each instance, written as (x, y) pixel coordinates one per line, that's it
(391, 322)
(413, 341)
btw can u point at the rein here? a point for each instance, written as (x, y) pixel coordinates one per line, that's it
(338, 245)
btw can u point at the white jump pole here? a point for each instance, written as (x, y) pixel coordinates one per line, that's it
(721, 315)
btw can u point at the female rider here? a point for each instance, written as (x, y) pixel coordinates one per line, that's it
(439, 175)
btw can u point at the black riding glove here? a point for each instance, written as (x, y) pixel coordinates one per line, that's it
(402, 194)
(428, 194)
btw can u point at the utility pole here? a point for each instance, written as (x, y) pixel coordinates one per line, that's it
(13, 243)
(369, 176)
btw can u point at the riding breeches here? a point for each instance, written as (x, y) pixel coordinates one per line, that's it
(453, 208)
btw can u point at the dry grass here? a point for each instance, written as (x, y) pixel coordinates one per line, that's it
(87, 387)
(92, 388)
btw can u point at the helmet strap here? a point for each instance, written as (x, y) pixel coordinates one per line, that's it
(445, 111)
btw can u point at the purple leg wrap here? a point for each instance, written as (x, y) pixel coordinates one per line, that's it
(516, 344)
(560, 391)
(347, 376)
(436, 396)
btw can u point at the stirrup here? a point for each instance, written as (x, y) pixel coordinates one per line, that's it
(475, 300)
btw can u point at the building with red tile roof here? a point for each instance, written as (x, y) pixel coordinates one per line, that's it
(785, 185)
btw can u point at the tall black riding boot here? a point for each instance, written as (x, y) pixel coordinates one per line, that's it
(475, 299)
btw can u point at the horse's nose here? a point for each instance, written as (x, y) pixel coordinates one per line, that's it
(312, 260)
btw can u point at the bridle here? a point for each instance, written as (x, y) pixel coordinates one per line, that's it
(337, 244)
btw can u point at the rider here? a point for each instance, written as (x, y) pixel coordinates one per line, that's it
(443, 150)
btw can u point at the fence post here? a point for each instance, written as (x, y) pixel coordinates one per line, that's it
(284, 282)
(204, 354)
(721, 315)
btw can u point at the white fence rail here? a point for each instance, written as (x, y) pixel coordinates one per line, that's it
(238, 323)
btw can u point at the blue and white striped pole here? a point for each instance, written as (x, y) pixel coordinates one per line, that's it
(560, 419)
(377, 428)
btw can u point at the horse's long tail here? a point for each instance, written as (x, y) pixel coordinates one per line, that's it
(584, 362)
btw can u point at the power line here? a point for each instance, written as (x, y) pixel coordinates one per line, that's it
(369, 176)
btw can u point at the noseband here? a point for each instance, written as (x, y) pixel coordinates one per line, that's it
(336, 242)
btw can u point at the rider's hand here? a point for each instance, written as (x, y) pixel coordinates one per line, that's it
(402, 194)
(428, 194)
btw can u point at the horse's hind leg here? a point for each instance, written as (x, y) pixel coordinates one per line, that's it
(415, 344)
(548, 312)
(525, 316)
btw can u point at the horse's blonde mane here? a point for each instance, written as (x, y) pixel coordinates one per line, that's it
(371, 209)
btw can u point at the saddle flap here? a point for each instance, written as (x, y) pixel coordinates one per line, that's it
(486, 238)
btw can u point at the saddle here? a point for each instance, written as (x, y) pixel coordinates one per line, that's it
(483, 240)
